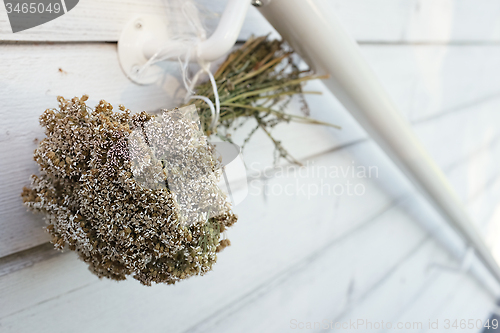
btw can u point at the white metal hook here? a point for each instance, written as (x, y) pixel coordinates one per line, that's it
(226, 34)
(148, 36)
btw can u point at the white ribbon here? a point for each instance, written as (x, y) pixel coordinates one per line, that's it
(183, 47)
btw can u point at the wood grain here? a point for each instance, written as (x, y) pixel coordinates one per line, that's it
(274, 272)
(36, 74)
(28, 258)
(387, 21)
(103, 20)
(305, 253)
(261, 233)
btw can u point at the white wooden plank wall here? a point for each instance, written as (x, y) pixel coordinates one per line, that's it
(305, 256)
(384, 21)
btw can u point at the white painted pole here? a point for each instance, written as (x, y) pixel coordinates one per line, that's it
(327, 48)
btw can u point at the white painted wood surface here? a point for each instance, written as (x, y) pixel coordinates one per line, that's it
(303, 256)
(93, 69)
(385, 21)
(287, 261)
(103, 20)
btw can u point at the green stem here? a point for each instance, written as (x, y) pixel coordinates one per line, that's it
(286, 84)
(301, 119)
(262, 69)
(291, 93)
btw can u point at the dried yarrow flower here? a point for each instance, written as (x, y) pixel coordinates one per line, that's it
(95, 200)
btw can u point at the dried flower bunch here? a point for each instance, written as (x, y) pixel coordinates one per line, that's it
(94, 204)
(136, 194)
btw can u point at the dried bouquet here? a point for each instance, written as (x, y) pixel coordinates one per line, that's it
(106, 186)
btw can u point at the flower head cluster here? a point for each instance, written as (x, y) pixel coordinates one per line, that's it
(131, 194)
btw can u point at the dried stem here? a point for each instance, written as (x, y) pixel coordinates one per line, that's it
(257, 81)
